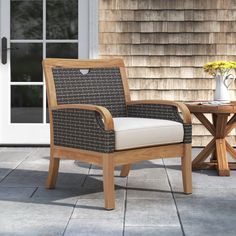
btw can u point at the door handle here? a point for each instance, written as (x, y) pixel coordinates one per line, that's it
(4, 50)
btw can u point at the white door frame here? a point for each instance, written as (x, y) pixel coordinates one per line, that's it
(88, 48)
(88, 30)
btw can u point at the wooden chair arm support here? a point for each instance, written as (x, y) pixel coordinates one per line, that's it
(181, 106)
(104, 112)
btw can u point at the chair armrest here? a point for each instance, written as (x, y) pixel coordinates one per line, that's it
(181, 106)
(106, 115)
(82, 126)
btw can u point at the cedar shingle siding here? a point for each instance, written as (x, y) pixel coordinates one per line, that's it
(165, 43)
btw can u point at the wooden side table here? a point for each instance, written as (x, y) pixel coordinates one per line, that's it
(219, 128)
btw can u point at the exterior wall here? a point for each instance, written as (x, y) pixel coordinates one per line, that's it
(165, 43)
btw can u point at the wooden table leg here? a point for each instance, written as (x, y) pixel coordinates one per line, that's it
(207, 124)
(221, 122)
(230, 125)
(217, 146)
(230, 150)
(198, 162)
(223, 168)
(219, 128)
(213, 156)
(220, 125)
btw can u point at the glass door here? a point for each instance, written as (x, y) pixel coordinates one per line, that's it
(30, 31)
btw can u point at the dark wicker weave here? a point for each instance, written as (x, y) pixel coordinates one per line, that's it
(77, 128)
(100, 86)
(187, 133)
(160, 111)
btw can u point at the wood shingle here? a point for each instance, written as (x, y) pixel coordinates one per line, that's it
(166, 43)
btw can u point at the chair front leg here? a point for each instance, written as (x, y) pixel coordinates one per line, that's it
(108, 182)
(125, 170)
(53, 171)
(186, 160)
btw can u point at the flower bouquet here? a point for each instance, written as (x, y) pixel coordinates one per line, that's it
(221, 70)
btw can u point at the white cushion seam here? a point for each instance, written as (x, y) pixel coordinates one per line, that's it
(150, 144)
(133, 129)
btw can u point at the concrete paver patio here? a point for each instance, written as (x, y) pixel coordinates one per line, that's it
(149, 202)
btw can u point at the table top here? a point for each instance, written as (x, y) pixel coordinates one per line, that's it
(205, 107)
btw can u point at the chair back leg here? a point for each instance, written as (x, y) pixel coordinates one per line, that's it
(186, 160)
(108, 182)
(53, 171)
(125, 170)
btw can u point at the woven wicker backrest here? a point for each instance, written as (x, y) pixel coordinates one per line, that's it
(100, 86)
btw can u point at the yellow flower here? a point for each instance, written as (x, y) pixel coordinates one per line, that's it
(222, 67)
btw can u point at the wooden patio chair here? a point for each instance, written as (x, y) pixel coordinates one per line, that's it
(92, 119)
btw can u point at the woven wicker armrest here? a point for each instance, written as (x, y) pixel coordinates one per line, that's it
(106, 115)
(83, 126)
(163, 109)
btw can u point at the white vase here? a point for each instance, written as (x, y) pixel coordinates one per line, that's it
(222, 85)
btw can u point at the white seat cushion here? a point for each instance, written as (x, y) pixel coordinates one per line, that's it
(141, 132)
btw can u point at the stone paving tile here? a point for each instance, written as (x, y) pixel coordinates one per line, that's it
(227, 230)
(42, 153)
(57, 193)
(6, 168)
(94, 209)
(40, 160)
(81, 164)
(30, 209)
(147, 194)
(16, 193)
(209, 193)
(33, 174)
(149, 171)
(13, 156)
(9, 160)
(33, 178)
(97, 170)
(202, 179)
(148, 188)
(141, 169)
(158, 161)
(25, 178)
(207, 217)
(153, 231)
(151, 212)
(94, 227)
(20, 149)
(145, 183)
(32, 218)
(71, 175)
(73, 167)
(98, 193)
(70, 180)
(96, 181)
(77, 193)
(175, 162)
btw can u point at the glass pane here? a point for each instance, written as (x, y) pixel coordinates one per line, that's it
(62, 50)
(26, 62)
(62, 19)
(26, 104)
(26, 19)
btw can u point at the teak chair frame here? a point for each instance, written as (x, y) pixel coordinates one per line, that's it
(108, 161)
